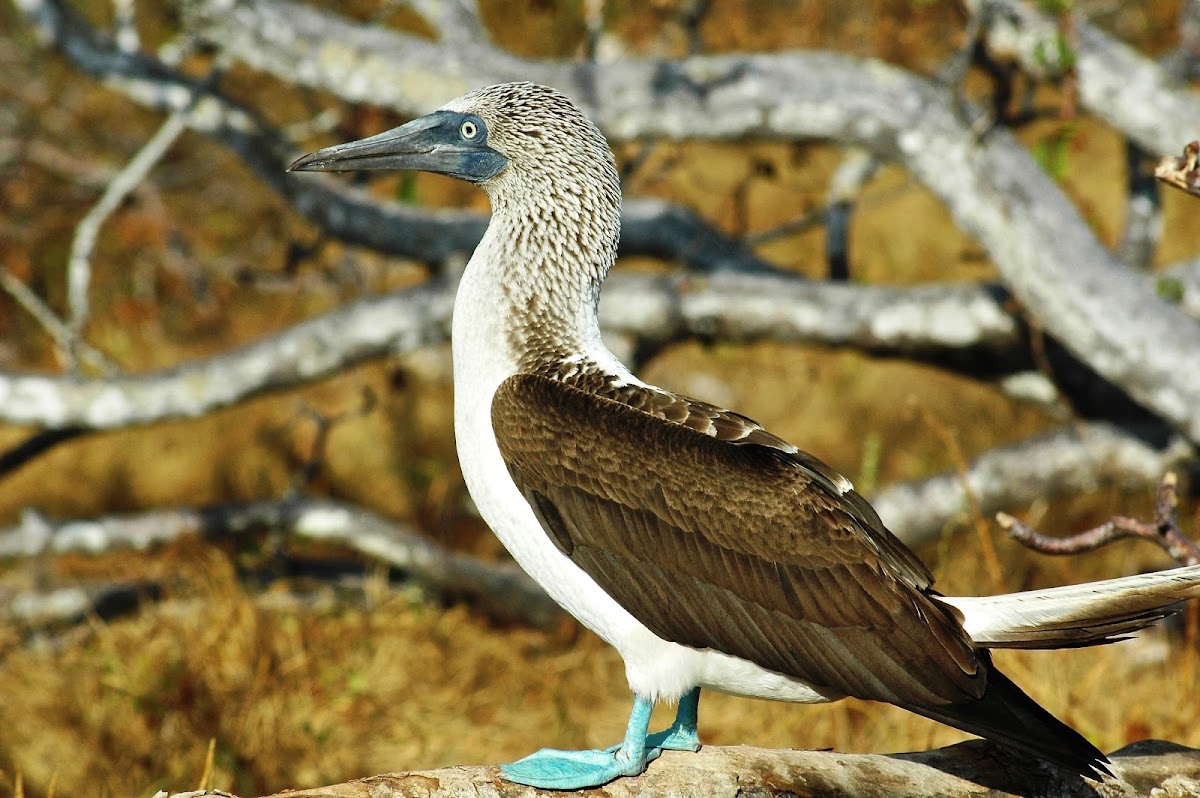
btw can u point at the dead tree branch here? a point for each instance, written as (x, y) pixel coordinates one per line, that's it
(1163, 531)
(65, 338)
(927, 321)
(502, 590)
(957, 771)
(369, 328)
(1131, 92)
(1069, 461)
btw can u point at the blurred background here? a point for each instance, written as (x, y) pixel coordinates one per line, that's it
(287, 661)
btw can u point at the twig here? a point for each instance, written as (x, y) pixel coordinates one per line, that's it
(312, 465)
(125, 22)
(820, 216)
(68, 344)
(206, 777)
(35, 307)
(35, 446)
(1143, 213)
(79, 268)
(845, 187)
(1163, 531)
(1078, 458)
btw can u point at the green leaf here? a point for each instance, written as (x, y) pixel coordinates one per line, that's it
(406, 192)
(1169, 289)
(1051, 151)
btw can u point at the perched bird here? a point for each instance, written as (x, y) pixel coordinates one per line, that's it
(708, 551)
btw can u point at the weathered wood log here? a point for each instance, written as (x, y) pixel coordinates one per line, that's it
(972, 768)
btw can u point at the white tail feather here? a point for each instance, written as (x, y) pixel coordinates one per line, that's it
(1076, 615)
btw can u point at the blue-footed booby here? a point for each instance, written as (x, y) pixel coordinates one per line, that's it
(709, 552)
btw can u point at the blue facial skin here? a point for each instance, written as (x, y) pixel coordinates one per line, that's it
(444, 142)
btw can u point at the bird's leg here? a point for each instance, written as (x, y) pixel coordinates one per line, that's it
(682, 735)
(577, 770)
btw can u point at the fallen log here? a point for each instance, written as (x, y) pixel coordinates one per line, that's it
(972, 768)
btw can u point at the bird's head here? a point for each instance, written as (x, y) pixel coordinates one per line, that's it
(505, 138)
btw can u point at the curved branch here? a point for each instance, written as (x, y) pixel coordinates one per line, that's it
(370, 327)
(1163, 531)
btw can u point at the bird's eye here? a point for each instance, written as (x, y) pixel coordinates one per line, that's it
(469, 129)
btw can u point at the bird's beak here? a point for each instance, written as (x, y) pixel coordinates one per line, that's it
(428, 144)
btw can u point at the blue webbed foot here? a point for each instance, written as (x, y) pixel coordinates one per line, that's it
(576, 770)
(682, 735)
(676, 738)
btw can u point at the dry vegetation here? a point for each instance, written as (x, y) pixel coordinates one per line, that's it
(377, 679)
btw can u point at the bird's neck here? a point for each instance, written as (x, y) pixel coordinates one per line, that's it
(537, 273)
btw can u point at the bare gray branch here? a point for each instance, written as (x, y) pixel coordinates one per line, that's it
(1062, 463)
(931, 322)
(1126, 89)
(505, 590)
(958, 771)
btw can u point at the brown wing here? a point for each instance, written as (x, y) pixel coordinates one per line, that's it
(725, 425)
(752, 548)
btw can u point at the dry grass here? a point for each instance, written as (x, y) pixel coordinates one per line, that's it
(297, 698)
